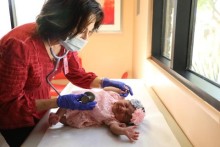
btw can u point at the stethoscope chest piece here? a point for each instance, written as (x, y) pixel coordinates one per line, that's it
(89, 97)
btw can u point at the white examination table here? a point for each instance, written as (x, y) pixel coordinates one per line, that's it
(154, 131)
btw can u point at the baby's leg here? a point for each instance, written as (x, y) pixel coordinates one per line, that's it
(53, 119)
(63, 120)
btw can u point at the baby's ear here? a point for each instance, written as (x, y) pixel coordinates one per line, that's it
(122, 125)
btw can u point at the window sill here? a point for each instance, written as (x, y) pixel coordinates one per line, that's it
(207, 91)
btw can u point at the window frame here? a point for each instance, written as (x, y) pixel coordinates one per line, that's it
(180, 54)
(12, 12)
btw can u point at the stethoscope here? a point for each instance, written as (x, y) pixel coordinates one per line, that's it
(57, 58)
(89, 96)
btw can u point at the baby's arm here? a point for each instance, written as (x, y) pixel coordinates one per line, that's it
(121, 129)
(54, 118)
(117, 90)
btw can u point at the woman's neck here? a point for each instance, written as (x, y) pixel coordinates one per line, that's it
(55, 47)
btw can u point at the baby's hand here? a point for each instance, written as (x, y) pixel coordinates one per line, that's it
(53, 119)
(131, 133)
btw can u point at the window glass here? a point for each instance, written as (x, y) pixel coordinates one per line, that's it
(169, 27)
(27, 10)
(195, 51)
(4, 18)
(205, 58)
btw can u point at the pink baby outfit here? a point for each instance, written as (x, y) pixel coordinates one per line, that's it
(101, 114)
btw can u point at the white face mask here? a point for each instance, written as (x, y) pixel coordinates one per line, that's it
(74, 44)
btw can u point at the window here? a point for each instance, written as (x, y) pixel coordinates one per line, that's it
(16, 14)
(169, 17)
(5, 19)
(28, 13)
(185, 43)
(206, 46)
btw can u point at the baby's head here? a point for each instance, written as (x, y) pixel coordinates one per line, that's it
(130, 112)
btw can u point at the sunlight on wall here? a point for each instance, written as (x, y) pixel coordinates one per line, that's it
(197, 119)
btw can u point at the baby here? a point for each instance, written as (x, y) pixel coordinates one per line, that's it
(120, 115)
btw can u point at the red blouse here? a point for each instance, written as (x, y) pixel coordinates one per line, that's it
(24, 65)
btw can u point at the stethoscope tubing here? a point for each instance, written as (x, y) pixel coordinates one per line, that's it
(57, 58)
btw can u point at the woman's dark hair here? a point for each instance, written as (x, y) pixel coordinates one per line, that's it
(60, 19)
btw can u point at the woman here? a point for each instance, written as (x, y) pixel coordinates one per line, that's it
(28, 55)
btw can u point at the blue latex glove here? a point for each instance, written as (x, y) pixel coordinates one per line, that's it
(72, 101)
(127, 89)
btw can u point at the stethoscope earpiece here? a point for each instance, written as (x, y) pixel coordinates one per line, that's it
(89, 97)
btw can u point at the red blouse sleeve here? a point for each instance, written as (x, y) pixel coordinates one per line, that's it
(77, 74)
(13, 75)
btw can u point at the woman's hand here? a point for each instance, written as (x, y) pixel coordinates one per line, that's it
(125, 88)
(72, 101)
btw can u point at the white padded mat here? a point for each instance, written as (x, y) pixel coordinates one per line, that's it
(154, 131)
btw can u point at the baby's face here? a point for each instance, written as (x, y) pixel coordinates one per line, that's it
(123, 110)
